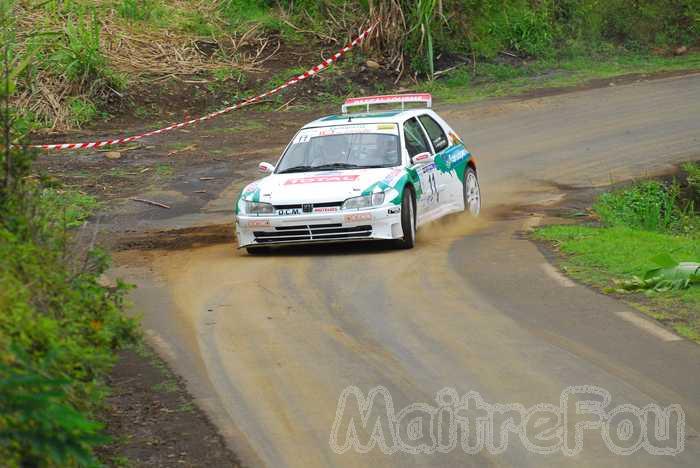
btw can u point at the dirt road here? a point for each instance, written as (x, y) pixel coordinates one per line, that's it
(269, 344)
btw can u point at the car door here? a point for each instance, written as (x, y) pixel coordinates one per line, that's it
(449, 185)
(416, 142)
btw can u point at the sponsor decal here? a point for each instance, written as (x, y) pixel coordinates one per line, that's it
(395, 210)
(352, 218)
(451, 159)
(326, 209)
(321, 179)
(458, 155)
(289, 211)
(341, 129)
(259, 223)
(427, 168)
(307, 134)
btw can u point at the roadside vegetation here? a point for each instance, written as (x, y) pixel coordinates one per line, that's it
(97, 58)
(642, 242)
(59, 326)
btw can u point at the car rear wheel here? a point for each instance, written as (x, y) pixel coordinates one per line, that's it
(471, 192)
(257, 250)
(408, 220)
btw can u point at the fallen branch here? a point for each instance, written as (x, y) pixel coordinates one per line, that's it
(442, 72)
(151, 202)
(510, 54)
(285, 105)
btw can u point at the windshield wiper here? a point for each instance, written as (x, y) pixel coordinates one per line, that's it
(328, 167)
(321, 167)
(336, 166)
(296, 169)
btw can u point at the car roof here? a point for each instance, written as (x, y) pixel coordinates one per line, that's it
(388, 116)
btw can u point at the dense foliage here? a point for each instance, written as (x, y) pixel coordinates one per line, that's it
(92, 53)
(59, 327)
(652, 206)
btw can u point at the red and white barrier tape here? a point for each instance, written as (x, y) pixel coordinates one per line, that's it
(310, 72)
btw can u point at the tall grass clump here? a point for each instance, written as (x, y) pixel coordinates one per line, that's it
(79, 56)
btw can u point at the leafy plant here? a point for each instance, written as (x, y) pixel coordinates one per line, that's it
(59, 328)
(424, 13)
(669, 275)
(647, 205)
(36, 423)
(80, 57)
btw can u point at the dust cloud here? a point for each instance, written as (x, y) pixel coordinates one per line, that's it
(451, 227)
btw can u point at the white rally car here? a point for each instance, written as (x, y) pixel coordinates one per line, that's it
(360, 176)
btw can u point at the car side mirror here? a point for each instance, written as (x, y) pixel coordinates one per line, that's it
(266, 168)
(423, 158)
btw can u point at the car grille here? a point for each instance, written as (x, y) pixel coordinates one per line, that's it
(309, 207)
(312, 232)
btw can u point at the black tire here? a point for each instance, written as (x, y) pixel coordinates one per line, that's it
(257, 250)
(408, 220)
(470, 190)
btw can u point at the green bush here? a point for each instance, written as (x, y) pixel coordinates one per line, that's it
(59, 327)
(650, 206)
(35, 419)
(55, 316)
(554, 28)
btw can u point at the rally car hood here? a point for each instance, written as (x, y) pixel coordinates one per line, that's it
(315, 187)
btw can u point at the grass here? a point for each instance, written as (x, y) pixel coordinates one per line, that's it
(638, 224)
(242, 127)
(491, 80)
(167, 386)
(164, 170)
(82, 111)
(74, 207)
(145, 112)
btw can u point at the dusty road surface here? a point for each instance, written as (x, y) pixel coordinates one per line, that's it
(269, 344)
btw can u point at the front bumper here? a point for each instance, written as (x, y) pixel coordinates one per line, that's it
(377, 223)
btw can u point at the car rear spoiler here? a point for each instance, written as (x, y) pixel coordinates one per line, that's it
(388, 99)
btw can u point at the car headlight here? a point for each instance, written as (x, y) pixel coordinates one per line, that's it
(365, 201)
(257, 208)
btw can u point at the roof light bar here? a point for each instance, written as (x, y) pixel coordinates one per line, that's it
(388, 99)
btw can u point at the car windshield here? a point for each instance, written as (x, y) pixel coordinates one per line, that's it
(332, 148)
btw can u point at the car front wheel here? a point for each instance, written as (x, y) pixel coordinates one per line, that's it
(471, 192)
(408, 220)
